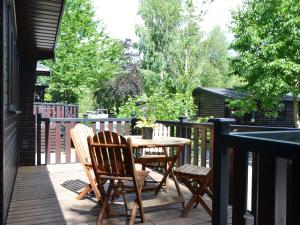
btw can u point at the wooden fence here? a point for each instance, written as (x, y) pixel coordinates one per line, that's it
(55, 110)
(54, 143)
(54, 140)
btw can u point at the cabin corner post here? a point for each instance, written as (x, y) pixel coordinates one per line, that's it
(220, 172)
(183, 134)
(39, 137)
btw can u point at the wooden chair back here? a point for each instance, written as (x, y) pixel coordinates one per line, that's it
(79, 135)
(111, 156)
(112, 159)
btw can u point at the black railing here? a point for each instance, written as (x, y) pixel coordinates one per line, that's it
(275, 194)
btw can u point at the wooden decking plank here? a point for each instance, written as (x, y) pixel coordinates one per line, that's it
(36, 217)
(32, 211)
(47, 195)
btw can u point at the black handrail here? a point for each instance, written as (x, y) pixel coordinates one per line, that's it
(277, 182)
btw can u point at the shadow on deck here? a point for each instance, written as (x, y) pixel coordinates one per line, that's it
(47, 195)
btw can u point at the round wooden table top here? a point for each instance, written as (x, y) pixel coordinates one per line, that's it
(138, 142)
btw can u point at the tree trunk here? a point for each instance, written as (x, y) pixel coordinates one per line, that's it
(186, 60)
(296, 111)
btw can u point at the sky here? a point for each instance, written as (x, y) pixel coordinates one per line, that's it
(120, 16)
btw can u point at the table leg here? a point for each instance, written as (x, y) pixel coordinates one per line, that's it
(170, 167)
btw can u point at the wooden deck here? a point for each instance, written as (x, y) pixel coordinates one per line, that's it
(46, 195)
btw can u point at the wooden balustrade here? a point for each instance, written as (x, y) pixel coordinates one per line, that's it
(201, 134)
(54, 141)
(210, 142)
(55, 110)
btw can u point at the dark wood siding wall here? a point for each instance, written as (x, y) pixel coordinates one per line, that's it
(27, 123)
(37, 22)
(9, 98)
(1, 117)
(285, 119)
(211, 105)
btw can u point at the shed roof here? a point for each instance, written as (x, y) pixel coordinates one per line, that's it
(233, 93)
(42, 70)
(37, 26)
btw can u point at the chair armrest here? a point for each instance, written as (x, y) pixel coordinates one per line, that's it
(88, 165)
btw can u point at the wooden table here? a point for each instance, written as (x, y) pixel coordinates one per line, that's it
(164, 142)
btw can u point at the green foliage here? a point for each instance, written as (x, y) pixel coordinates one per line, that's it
(146, 121)
(176, 55)
(215, 68)
(84, 53)
(161, 18)
(204, 119)
(163, 106)
(267, 40)
(86, 102)
(125, 82)
(76, 54)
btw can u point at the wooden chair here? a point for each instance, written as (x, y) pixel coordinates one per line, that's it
(198, 180)
(79, 135)
(112, 159)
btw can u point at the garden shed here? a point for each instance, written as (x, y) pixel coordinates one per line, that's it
(213, 102)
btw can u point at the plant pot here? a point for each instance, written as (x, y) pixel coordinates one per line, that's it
(147, 132)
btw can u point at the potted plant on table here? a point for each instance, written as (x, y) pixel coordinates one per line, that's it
(146, 124)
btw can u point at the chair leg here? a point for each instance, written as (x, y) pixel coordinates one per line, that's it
(196, 198)
(133, 213)
(104, 205)
(92, 183)
(189, 206)
(87, 189)
(177, 187)
(139, 202)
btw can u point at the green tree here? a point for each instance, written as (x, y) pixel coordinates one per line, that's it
(84, 53)
(215, 65)
(126, 81)
(267, 40)
(177, 57)
(161, 105)
(76, 54)
(157, 37)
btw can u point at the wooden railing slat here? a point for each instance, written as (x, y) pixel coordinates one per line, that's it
(127, 128)
(196, 146)
(48, 141)
(57, 143)
(203, 147)
(119, 127)
(68, 127)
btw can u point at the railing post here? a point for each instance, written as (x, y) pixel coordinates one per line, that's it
(133, 124)
(183, 119)
(65, 109)
(47, 142)
(77, 111)
(85, 121)
(220, 172)
(39, 137)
